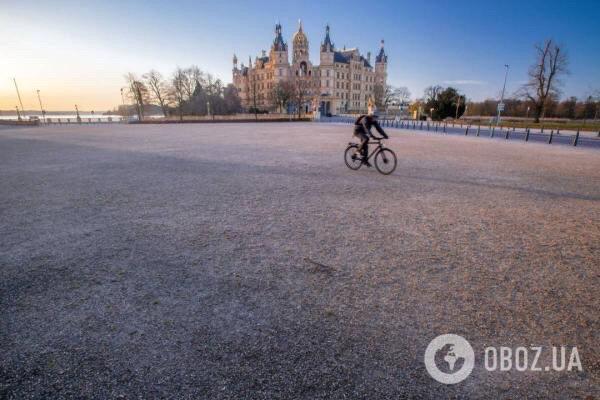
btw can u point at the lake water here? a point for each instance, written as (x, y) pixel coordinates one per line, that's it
(65, 116)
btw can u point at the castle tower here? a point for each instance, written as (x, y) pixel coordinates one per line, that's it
(300, 45)
(381, 65)
(327, 49)
(279, 55)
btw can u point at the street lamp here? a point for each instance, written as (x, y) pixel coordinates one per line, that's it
(527, 115)
(41, 106)
(125, 111)
(78, 116)
(501, 104)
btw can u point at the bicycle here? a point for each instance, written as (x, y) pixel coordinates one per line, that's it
(385, 159)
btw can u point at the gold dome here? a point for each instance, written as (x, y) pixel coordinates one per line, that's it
(299, 39)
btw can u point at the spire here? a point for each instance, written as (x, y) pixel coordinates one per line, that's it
(327, 44)
(249, 61)
(381, 57)
(299, 25)
(278, 43)
(235, 60)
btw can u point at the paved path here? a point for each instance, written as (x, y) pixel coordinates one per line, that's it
(246, 261)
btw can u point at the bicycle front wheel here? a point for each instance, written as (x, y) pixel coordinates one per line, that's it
(352, 157)
(385, 161)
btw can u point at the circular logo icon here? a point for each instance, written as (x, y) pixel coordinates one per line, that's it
(449, 359)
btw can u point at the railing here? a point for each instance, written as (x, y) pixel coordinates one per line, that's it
(87, 121)
(573, 138)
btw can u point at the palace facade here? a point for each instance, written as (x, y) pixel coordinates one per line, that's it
(343, 82)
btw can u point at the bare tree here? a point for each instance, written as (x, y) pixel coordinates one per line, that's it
(544, 76)
(387, 95)
(179, 90)
(382, 95)
(158, 88)
(138, 92)
(192, 77)
(302, 90)
(402, 94)
(431, 93)
(281, 94)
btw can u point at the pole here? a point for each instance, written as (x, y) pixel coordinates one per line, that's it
(123, 102)
(19, 95)
(77, 111)
(503, 90)
(41, 106)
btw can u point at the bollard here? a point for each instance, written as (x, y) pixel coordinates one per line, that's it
(478, 129)
(527, 135)
(507, 133)
(467, 130)
(427, 125)
(436, 127)
(445, 125)
(550, 139)
(421, 125)
(492, 133)
(598, 133)
(542, 129)
(576, 138)
(558, 131)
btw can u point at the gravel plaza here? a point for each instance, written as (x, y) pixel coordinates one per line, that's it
(246, 261)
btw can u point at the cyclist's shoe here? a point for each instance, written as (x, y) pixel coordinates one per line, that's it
(367, 163)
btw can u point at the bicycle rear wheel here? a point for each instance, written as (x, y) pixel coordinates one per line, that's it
(352, 157)
(385, 161)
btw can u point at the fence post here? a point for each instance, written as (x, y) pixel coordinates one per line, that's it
(478, 129)
(527, 134)
(551, 134)
(576, 139)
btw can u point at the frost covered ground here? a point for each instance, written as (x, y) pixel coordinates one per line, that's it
(246, 261)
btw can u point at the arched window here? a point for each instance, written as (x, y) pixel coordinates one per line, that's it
(303, 68)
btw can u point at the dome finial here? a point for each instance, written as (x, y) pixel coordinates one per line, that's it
(300, 25)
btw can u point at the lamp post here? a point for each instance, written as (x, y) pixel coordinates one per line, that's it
(19, 96)
(125, 112)
(18, 113)
(41, 106)
(527, 115)
(78, 116)
(431, 113)
(501, 104)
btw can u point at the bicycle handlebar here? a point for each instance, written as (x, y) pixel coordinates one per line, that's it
(379, 138)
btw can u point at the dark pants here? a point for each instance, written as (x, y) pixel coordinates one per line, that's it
(364, 142)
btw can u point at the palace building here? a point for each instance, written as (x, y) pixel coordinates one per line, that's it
(343, 82)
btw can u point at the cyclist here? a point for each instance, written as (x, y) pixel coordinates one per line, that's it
(362, 129)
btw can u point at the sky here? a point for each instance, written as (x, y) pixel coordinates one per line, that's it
(76, 52)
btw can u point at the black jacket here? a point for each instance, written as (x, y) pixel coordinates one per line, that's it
(364, 123)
